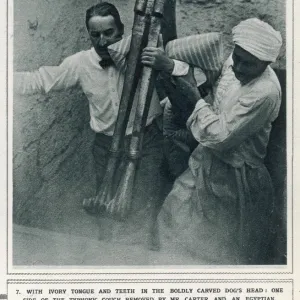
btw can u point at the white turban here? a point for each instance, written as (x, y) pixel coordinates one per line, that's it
(258, 38)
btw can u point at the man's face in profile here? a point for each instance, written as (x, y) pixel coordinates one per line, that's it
(103, 32)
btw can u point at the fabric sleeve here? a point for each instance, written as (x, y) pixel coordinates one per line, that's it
(169, 126)
(180, 68)
(48, 78)
(172, 127)
(229, 128)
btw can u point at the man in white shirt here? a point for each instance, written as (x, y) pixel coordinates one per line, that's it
(102, 83)
(220, 209)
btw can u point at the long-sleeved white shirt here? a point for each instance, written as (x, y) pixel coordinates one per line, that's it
(102, 87)
(238, 124)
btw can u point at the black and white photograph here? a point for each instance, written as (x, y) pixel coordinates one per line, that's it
(150, 133)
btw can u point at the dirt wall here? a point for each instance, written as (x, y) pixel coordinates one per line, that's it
(52, 139)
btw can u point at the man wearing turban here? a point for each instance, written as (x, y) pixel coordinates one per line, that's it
(219, 210)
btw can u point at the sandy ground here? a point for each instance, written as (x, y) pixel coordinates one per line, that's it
(48, 248)
(69, 236)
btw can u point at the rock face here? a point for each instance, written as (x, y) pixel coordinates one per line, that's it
(51, 134)
(52, 158)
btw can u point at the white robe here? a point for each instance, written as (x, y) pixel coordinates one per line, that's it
(220, 209)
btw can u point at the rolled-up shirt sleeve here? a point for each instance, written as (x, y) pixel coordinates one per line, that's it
(229, 128)
(47, 78)
(180, 68)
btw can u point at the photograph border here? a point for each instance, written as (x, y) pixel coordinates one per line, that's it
(13, 270)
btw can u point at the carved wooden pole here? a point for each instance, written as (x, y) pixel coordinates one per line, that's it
(132, 75)
(169, 29)
(121, 204)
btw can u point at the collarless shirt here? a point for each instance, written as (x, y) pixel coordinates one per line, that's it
(237, 126)
(102, 87)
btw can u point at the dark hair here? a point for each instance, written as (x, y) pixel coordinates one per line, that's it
(104, 9)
